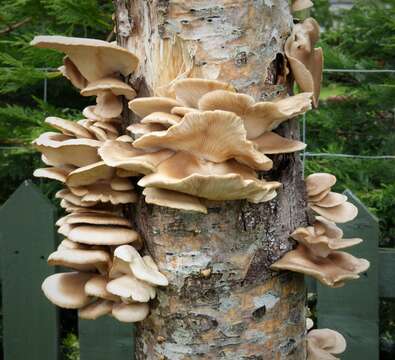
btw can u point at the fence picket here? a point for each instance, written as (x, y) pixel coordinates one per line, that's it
(27, 236)
(353, 309)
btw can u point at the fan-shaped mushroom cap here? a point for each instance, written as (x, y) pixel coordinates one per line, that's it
(67, 244)
(97, 287)
(323, 226)
(173, 199)
(90, 174)
(189, 91)
(214, 181)
(68, 127)
(182, 110)
(103, 192)
(95, 59)
(321, 245)
(95, 310)
(318, 182)
(321, 343)
(139, 129)
(98, 209)
(54, 173)
(121, 184)
(71, 72)
(319, 196)
(129, 288)
(114, 85)
(67, 289)
(212, 135)
(298, 5)
(272, 143)
(102, 235)
(61, 150)
(257, 117)
(332, 270)
(330, 200)
(67, 195)
(89, 113)
(161, 118)
(340, 214)
(147, 105)
(130, 312)
(96, 219)
(123, 155)
(305, 61)
(139, 268)
(80, 259)
(108, 127)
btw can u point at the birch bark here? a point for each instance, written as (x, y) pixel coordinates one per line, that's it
(223, 301)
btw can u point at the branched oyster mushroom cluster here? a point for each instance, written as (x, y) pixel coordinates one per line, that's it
(110, 276)
(317, 253)
(322, 343)
(204, 141)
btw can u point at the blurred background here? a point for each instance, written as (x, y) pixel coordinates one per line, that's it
(351, 134)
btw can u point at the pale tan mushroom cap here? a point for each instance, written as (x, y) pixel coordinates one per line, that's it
(339, 214)
(272, 143)
(130, 313)
(123, 155)
(95, 310)
(212, 135)
(95, 59)
(148, 105)
(97, 287)
(67, 289)
(97, 219)
(318, 182)
(102, 235)
(114, 85)
(161, 118)
(140, 129)
(139, 268)
(298, 5)
(103, 193)
(330, 200)
(68, 127)
(53, 173)
(71, 72)
(132, 289)
(67, 195)
(332, 271)
(323, 226)
(173, 199)
(189, 91)
(90, 174)
(322, 343)
(90, 113)
(215, 181)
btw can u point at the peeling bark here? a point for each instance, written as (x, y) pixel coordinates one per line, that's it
(223, 301)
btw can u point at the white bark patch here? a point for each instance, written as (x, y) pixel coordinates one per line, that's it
(268, 300)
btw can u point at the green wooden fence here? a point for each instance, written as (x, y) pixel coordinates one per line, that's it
(30, 322)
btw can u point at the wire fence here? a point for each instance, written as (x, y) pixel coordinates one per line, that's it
(305, 154)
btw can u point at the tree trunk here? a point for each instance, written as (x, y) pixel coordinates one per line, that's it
(223, 302)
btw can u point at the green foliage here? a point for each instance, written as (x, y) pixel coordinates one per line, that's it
(70, 347)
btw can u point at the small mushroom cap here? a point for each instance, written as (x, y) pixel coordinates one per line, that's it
(95, 59)
(331, 199)
(97, 287)
(121, 184)
(214, 181)
(257, 117)
(132, 289)
(319, 182)
(61, 150)
(97, 219)
(332, 270)
(161, 118)
(189, 91)
(298, 5)
(108, 127)
(212, 135)
(71, 72)
(114, 85)
(123, 155)
(130, 313)
(54, 173)
(90, 174)
(139, 268)
(68, 127)
(139, 129)
(321, 343)
(125, 138)
(67, 195)
(102, 235)
(173, 199)
(80, 259)
(319, 196)
(323, 226)
(90, 114)
(144, 106)
(339, 214)
(306, 62)
(272, 143)
(95, 310)
(108, 106)
(182, 110)
(67, 289)
(103, 192)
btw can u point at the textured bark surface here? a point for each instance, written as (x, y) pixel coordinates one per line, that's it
(223, 302)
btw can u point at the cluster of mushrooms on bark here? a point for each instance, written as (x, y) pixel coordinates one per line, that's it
(198, 140)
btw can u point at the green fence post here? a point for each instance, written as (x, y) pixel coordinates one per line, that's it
(27, 236)
(353, 309)
(105, 339)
